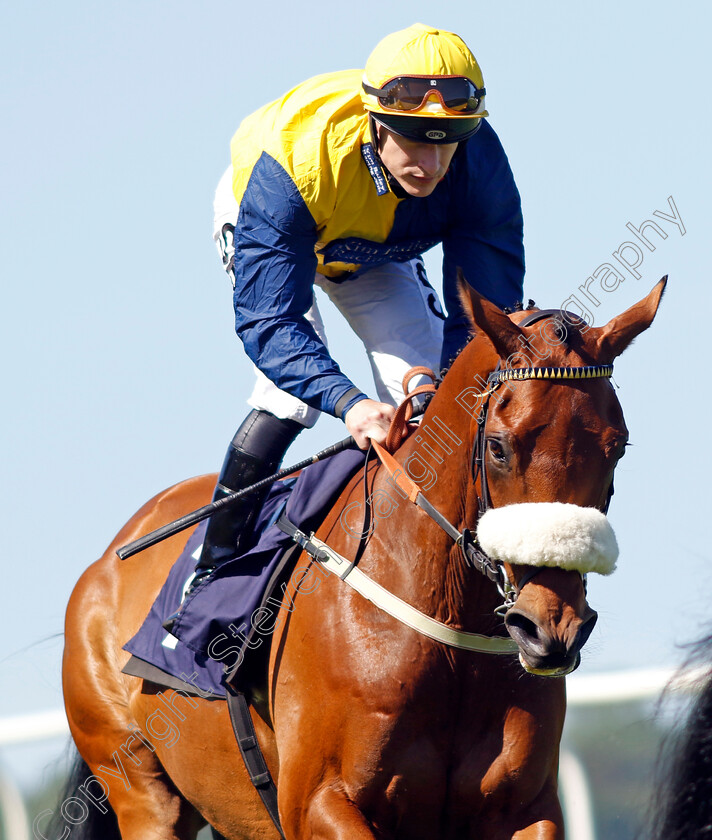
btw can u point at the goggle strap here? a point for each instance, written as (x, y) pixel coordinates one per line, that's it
(372, 91)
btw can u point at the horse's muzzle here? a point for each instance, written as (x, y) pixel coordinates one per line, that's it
(542, 650)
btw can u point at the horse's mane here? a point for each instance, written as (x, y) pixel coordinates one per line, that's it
(683, 788)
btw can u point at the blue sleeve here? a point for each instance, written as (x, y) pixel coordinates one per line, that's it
(485, 237)
(274, 276)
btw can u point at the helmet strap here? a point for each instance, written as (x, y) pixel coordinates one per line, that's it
(375, 136)
(393, 184)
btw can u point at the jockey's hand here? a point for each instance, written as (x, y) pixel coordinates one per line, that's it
(368, 419)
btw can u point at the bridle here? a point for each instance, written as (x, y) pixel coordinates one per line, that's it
(469, 544)
(467, 539)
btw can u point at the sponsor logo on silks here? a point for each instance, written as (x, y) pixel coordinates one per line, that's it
(374, 167)
(435, 134)
(356, 251)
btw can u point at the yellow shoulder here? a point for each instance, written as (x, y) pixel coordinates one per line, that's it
(312, 132)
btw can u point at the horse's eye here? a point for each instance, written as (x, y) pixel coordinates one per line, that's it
(496, 449)
(621, 451)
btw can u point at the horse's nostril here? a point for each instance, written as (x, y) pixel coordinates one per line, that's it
(586, 629)
(523, 626)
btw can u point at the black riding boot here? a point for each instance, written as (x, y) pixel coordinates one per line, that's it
(255, 452)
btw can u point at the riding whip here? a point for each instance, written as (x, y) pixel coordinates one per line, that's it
(204, 512)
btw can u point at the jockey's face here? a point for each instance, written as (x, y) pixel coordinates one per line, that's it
(418, 167)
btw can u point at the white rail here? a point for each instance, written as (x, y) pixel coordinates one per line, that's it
(629, 686)
(38, 726)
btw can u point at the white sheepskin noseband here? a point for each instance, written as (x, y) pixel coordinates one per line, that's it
(550, 534)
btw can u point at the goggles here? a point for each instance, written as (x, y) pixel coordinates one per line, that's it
(457, 94)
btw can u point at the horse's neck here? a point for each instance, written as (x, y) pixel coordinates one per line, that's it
(422, 558)
(438, 455)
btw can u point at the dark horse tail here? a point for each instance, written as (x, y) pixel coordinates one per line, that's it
(77, 814)
(684, 788)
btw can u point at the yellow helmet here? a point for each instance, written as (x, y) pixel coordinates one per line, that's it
(419, 75)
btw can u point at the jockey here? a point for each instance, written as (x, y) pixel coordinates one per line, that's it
(344, 182)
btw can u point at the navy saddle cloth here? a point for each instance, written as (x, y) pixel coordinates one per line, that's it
(213, 633)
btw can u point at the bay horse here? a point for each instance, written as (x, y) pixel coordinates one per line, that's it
(370, 728)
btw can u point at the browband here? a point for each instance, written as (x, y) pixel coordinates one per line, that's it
(584, 372)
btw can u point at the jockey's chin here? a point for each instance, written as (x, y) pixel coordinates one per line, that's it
(418, 186)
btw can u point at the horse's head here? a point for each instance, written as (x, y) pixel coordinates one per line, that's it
(548, 431)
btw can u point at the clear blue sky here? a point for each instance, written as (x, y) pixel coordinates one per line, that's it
(120, 366)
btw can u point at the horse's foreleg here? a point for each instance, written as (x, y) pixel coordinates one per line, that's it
(541, 830)
(544, 822)
(329, 815)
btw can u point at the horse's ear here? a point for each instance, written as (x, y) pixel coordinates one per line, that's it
(613, 338)
(489, 319)
(463, 293)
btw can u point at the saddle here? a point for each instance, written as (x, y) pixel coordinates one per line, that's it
(222, 635)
